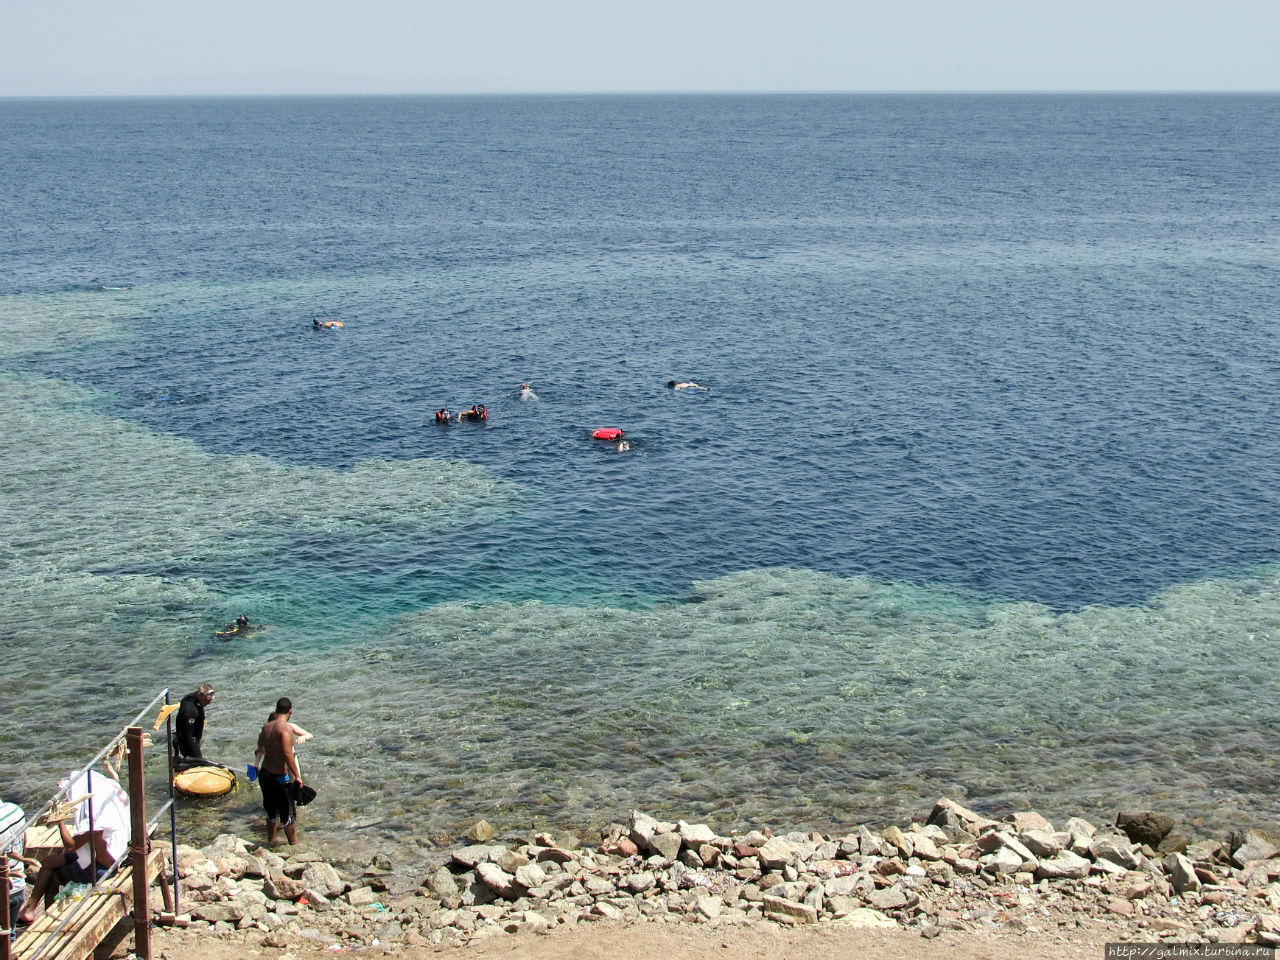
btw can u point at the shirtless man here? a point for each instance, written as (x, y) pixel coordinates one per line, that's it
(279, 773)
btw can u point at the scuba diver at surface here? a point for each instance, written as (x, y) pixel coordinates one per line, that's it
(240, 628)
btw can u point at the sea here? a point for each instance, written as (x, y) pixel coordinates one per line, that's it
(980, 499)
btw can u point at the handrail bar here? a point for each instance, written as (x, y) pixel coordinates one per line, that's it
(101, 753)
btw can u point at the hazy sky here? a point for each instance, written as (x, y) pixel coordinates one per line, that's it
(110, 47)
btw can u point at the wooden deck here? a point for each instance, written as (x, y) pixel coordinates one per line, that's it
(92, 921)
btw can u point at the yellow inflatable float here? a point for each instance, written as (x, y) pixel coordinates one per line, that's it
(204, 782)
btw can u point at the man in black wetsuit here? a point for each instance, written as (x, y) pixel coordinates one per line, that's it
(191, 727)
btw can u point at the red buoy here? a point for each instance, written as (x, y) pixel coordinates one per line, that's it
(607, 433)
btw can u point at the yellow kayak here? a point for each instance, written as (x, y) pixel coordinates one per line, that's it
(204, 782)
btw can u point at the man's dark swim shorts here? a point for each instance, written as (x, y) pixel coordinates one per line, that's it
(277, 797)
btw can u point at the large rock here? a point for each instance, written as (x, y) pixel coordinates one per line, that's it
(1114, 849)
(788, 911)
(1002, 861)
(947, 812)
(644, 828)
(511, 860)
(622, 847)
(708, 906)
(322, 878)
(1249, 846)
(777, 853)
(470, 857)
(1182, 873)
(894, 836)
(443, 885)
(1028, 820)
(1203, 851)
(1002, 840)
(362, 897)
(1145, 827)
(227, 912)
(530, 875)
(283, 888)
(497, 880)
(1077, 826)
(225, 844)
(924, 847)
(1042, 843)
(640, 882)
(869, 844)
(1065, 866)
(666, 845)
(890, 898)
(695, 835)
(794, 890)
(481, 832)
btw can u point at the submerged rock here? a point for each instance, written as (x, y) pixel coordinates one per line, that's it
(1145, 827)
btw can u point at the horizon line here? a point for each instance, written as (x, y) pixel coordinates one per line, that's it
(262, 95)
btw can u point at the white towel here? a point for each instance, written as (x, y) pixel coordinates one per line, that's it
(110, 813)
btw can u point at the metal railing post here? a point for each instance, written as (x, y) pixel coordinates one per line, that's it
(173, 807)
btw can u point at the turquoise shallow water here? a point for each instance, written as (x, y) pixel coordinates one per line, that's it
(981, 502)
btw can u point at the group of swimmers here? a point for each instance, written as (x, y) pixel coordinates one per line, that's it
(478, 412)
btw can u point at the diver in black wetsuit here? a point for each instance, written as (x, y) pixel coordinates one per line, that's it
(240, 628)
(190, 728)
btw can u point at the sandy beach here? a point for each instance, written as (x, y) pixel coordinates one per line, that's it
(651, 941)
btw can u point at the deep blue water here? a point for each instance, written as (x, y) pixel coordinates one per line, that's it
(1018, 348)
(1022, 345)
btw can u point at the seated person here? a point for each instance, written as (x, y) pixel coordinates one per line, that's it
(13, 822)
(84, 859)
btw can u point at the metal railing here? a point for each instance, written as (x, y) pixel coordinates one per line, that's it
(49, 938)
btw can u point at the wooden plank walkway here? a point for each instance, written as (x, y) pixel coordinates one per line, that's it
(94, 918)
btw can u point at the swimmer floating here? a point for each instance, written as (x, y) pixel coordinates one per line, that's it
(478, 413)
(327, 324)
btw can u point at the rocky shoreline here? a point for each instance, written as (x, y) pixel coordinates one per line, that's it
(952, 870)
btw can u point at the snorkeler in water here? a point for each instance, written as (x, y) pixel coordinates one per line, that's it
(526, 392)
(686, 385)
(240, 628)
